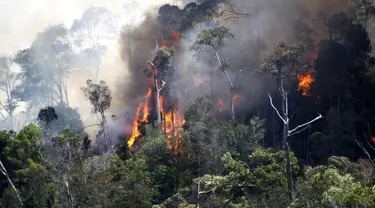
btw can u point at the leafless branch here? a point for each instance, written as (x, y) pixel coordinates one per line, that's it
(233, 12)
(305, 124)
(365, 151)
(297, 132)
(162, 86)
(277, 111)
(239, 71)
(5, 173)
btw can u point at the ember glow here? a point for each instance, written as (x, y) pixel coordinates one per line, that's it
(220, 104)
(236, 97)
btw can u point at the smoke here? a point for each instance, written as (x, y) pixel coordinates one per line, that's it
(270, 21)
(142, 22)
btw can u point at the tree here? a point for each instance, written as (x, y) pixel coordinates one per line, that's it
(127, 30)
(132, 183)
(283, 62)
(100, 98)
(160, 163)
(44, 67)
(96, 25)
(327, 187)
(247, 183)
(160, 67)
(211, 41)
(26, 168)
(54, 120)
(8, 82)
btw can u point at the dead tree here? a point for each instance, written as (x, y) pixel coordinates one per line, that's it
(210, 41)
(283, 62)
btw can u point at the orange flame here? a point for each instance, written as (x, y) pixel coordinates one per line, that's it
(172, 120)
(174, 38)
(136, 122)
(305, 80)
(220, 104)
(236, 97)
(304, 84)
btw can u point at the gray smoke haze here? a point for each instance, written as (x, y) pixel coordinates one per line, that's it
(270, 22)
(128, 52)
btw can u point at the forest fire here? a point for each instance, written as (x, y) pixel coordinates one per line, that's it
(304, 84)
(145, 106)
(174, 39)
(172, 120)
(236, 97)
(220, 104)
(306, 79)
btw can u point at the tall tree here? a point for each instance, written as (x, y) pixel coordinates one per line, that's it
(8, 82)
(284, 61)
(44, 67)
(211, 41)
(96, 25)
(129, 15)
(100, 98)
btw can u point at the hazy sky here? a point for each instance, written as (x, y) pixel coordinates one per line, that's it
(21, 20)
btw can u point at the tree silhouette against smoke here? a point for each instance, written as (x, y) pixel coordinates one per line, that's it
(96, 24)
(8, 82)
(211, 41)
(100, 98)
(283, 62)
(44, 67)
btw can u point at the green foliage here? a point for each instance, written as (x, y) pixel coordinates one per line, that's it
(245, 182)
(154, 147)
(329, 188)
(212, 38)
(132, 184)
(284, 60)
(99, 96)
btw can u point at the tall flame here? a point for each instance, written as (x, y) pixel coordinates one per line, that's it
(172, 119)
(220, 104)
(306, 79)
(137, 119)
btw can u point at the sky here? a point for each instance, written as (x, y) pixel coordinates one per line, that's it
(21, 20)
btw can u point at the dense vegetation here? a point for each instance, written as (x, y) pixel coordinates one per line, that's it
(312, 148)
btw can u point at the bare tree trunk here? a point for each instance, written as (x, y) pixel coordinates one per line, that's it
(232, 104)
(157, 96)
(286, 148)
(66, 93)
(198, 195)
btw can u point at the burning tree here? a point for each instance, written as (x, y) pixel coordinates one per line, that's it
(284, 61)
(157, 71)
(211, 41)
